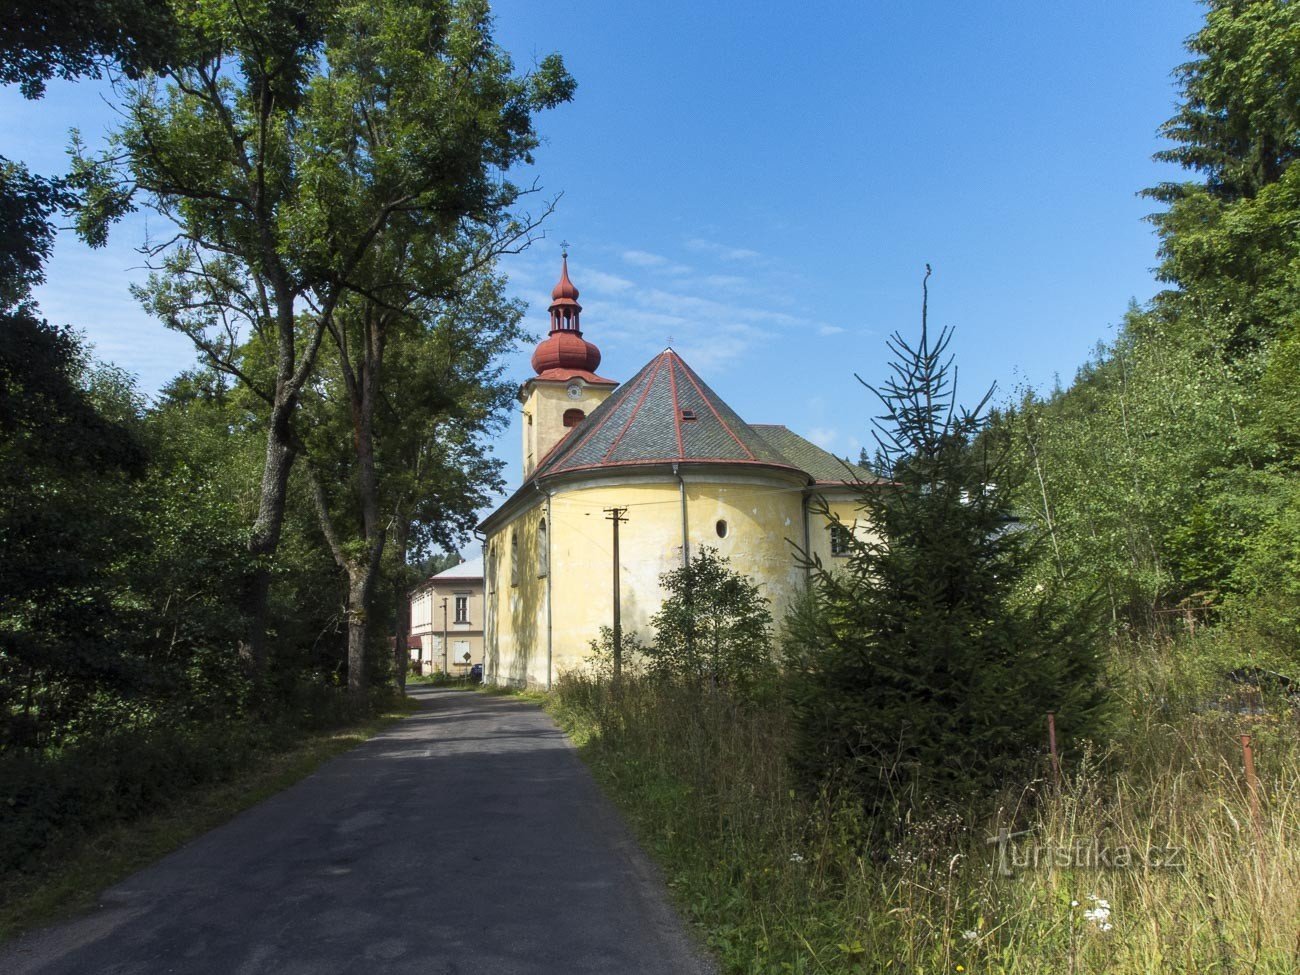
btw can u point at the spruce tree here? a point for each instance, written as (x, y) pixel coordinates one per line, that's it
(922, 669)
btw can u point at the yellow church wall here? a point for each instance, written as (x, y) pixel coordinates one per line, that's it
(763, 517)
(843, 504)
(515, 650)
(763, 514)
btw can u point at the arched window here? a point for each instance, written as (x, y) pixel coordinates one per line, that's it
(492, 569)
(543, 549)
(514, 556)
(573, 417)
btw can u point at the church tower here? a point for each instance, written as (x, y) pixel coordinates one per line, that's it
(566, 387)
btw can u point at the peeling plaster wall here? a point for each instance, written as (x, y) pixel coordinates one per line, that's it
(764, 522)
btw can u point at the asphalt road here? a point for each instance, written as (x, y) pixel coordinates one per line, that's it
(468, 838)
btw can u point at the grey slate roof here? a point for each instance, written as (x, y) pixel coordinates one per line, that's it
(821, 465)
(642, 423)
(663, 414)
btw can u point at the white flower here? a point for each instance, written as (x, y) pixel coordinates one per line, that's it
(971, 935)
(1074, 903)
(796, 858)
(1099, 915)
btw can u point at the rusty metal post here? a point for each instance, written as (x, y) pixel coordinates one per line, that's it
(1252, 782)
(1051, 745)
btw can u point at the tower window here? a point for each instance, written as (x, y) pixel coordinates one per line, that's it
(573, 417)
(721, 528)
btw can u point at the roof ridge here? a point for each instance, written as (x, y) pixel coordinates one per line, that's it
(649, 384)
(677, 408)
(714, 410)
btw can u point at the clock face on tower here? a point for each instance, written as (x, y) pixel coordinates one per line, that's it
(574, 390)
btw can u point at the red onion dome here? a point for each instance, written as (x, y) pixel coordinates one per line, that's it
(565, 349)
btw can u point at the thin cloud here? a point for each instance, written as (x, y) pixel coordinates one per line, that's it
(601, 283)
(644, 259)
(830, 330)
(723, 251)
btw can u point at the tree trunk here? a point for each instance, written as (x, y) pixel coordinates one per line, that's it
(402, 621)
(360, 586)
(264, 538)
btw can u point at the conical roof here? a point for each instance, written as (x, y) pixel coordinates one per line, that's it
(664, 414)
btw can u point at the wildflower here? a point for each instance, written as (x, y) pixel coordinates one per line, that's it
(1099, 913)
(796, 858)
(970, 935)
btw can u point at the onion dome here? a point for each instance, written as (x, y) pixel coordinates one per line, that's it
(565, 349)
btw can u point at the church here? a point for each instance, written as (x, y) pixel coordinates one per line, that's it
(673, 462)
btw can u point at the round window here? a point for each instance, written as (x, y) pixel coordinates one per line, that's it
(722, 528)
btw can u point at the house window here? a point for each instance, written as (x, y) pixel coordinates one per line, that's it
(839, 540)
(573, 417)
(721, 528)
(543, 549)
(462, 609)
(514, 556)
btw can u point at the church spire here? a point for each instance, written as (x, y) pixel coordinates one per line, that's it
(565, 310)
(565, 353)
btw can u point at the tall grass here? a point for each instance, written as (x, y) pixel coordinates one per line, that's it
(782, 882)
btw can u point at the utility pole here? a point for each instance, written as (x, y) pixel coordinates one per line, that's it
(617, 515)
(445, 668)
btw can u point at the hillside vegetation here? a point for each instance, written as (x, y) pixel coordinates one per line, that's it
(845, 815)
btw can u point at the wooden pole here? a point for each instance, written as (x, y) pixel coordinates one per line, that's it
(617, 515)
(1252, 783)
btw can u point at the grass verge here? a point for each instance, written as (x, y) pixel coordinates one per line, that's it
(780, 882)
(68, 879)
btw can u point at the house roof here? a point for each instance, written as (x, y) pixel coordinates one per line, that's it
(663, 414)
(821, 465)
(465, 572)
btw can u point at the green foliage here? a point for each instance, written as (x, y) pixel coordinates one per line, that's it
(713, 628)
(67, 525)
(923, 669)
(600, 659)
(44, 39)
(1238, 124)
(1165, 474)
(782, 881)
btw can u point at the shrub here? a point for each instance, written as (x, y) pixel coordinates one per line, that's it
(713, 630)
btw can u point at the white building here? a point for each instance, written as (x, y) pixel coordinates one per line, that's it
(447, 619)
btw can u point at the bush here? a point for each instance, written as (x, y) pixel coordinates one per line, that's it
(714, 628)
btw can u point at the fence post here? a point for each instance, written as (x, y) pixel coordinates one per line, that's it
(1252, 783)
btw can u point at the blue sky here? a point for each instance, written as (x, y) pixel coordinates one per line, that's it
(764, 183)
